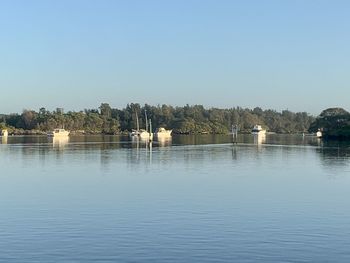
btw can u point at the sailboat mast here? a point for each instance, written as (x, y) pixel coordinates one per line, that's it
(146, 120)
(137, 122)
(150, 131)
(150, 126)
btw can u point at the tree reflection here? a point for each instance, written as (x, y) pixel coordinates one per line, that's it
(334, 153)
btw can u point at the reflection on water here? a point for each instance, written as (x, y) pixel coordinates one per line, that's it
(125, 141)
(259, 138)
(59, 142)
(332, 153)
(164, 141)
(191, 199)
(4, 139)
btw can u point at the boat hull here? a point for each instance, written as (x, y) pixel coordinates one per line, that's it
(262, 132)
(257, 130)
(163, 133)
(58, 133)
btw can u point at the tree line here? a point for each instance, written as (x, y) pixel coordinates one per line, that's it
(189, 119)
(333, 122)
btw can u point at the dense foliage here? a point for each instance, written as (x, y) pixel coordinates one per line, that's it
(333, 122)
(185, 120)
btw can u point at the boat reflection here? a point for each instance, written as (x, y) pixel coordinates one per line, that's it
(4, 140)
(164, 141)
(259, 138)
(140, 139)
(59, 142)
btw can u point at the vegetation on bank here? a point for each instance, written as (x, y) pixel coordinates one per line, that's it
(183, 120)
(333, 122)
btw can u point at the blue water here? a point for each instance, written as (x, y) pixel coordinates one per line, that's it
(195, 199)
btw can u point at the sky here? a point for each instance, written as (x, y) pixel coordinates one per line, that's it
(76, 54)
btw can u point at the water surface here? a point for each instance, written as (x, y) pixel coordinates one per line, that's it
(192, 199)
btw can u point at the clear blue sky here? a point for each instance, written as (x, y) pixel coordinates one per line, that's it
(76, 54)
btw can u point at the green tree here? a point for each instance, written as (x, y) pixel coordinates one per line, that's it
(106, 110)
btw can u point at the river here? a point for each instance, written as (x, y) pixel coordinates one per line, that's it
(284, 198)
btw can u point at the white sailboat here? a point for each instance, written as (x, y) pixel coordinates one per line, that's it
(142, 133)
(135, 133)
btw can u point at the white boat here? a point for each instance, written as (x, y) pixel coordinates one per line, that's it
(162, 133)
(257, 129)
(4, 133)
(141, 133)
(58, 133)
(134, 133)
(319, 134)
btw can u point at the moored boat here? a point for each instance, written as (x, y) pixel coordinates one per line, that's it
(162, 132)
(142, 133)
(257, 129)
(319, 134)
(58, 133)
(134, 133)
(4, 133)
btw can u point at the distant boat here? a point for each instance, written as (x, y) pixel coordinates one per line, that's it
(162, 133)
(4, 133)
(141, 133)
(58, 133)
(135, 133)
(257, 129)
(319, 134)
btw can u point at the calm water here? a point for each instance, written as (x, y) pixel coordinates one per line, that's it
(194, 199)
